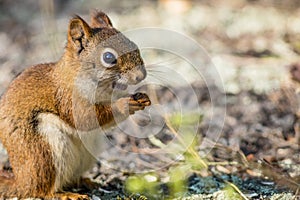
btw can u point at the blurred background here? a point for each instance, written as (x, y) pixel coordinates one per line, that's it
(253, 44)
(242, 37)
(237, 34)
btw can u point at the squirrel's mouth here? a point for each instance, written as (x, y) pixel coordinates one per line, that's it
(118, 85)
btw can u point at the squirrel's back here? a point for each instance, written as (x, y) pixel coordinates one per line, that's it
(34, 85)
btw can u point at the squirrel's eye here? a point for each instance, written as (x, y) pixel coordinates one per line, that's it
(109, 58)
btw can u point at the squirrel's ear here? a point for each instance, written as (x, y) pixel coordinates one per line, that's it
(79, 33)
(99, 19)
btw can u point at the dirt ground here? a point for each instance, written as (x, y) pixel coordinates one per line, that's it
(247, 133)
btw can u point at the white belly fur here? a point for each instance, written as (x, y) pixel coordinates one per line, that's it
(70, 156)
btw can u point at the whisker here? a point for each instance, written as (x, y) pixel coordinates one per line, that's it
(155, 70)
(161, 77)
(156, 67)
(106, 80)
(156, 74)
(164, 62)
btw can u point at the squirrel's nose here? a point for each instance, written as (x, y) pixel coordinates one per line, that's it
(136, 75)
(142, 73)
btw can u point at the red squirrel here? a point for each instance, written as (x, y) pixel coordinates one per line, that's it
(46, 106)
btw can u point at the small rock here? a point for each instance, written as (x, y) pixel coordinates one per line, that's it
(94, 197)
(295, 72)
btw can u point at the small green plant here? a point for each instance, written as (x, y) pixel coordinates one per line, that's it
(177, 183)
(185, 143)
(143, 183)
(233, 192)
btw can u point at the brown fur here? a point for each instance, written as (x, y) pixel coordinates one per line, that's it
(54, 88)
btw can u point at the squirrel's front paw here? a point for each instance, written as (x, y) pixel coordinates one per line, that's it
(128, 105)
(138, 101)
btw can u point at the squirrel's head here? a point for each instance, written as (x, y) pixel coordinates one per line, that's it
(109, 61)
